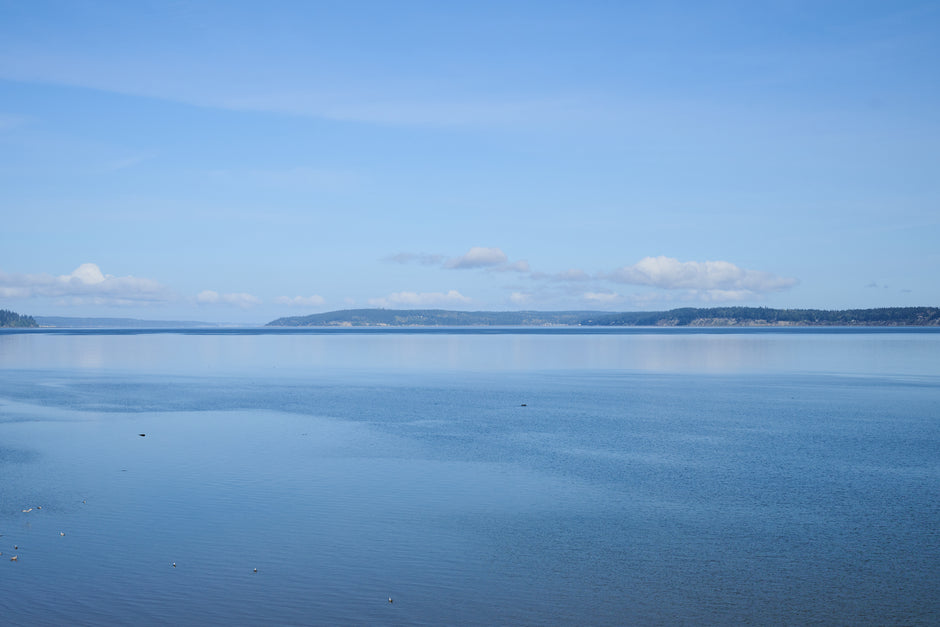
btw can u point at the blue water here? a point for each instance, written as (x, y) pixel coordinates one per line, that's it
(493, 477)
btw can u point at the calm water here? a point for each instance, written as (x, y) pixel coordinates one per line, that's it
(488, 477)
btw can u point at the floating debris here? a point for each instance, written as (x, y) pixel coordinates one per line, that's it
(26, 511)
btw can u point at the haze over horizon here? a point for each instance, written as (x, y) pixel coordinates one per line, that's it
(234, 162)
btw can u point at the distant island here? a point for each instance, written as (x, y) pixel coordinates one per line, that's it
(685, 317)
(434, 318)
(64, 322)
(12, 319)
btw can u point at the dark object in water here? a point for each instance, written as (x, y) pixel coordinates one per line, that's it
(523, 405)
(390, 600)
(143, 435)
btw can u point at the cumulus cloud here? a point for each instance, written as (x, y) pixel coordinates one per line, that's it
(237, 299)
(478, 257)
(423, 299)
(711, 276)
(86, 284)
(301, 301)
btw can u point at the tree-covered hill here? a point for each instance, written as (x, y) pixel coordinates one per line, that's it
(710, 317)
(433, 317)
(12, 319)
(764, 316)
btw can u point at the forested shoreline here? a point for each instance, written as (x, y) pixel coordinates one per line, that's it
(684, 317)
(12, 319)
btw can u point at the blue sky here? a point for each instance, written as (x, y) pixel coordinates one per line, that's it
(236, 161)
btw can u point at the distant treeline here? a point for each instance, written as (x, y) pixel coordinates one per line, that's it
(116, 323)
(757, 316)
(12, 319)
(433, 318)
(710, 317)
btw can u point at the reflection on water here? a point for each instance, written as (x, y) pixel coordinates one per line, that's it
(478, 478)
(911, 352)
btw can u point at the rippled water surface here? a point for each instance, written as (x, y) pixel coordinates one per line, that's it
(475, 477)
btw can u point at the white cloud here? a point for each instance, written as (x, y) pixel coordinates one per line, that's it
(478, 257)
(86, 284)
(237, 299)
(423, 299)
(712, 276)
(301, 301)
(85, 274)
